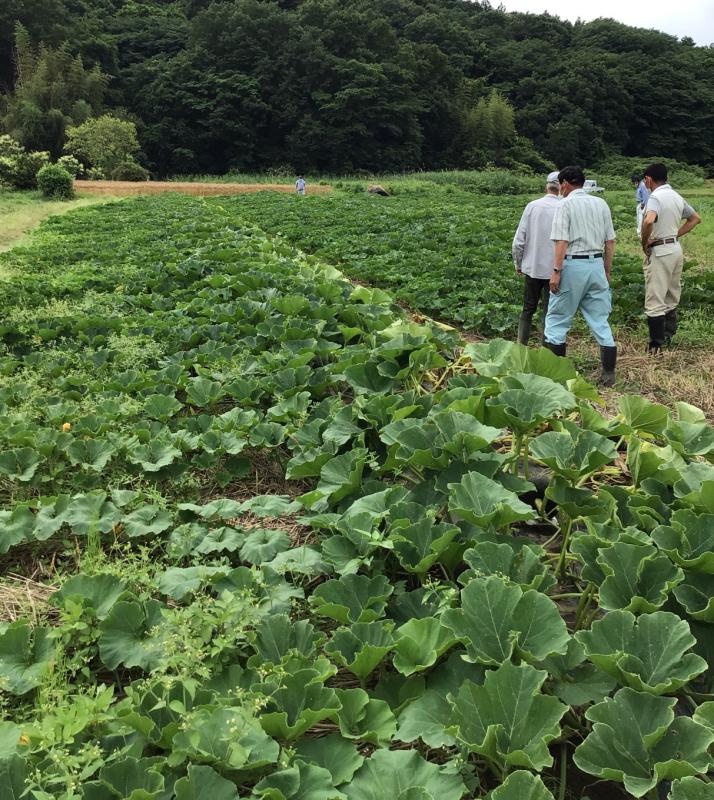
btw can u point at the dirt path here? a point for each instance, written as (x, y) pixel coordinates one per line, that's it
(128, 188)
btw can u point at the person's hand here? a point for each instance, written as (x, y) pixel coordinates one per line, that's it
(647, 249)
(519, 271)
(607, 275)
(555, 282)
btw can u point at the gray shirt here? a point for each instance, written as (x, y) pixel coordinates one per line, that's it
(671, 208)
(533, 250)
(584, 221)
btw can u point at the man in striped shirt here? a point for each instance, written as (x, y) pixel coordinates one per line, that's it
(584, 239)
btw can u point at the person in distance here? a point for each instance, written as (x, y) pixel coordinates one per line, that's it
(533, 253)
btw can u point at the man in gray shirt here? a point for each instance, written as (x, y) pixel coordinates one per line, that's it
(533, 253)
(662, 228)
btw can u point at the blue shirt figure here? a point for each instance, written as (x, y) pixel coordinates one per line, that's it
(300, 185)
(642, 195)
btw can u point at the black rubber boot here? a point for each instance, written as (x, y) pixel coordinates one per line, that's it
(670, 325)
(524, 330)
(558, 349)
(608, 359)
(657, 335)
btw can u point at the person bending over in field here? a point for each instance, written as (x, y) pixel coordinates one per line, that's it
(533, 253)
(584, 239)
(661, 232)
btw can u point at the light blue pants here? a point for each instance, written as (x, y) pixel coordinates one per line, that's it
(583, 286)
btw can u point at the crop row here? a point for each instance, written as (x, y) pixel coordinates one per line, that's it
(446, 253)
(308, 549)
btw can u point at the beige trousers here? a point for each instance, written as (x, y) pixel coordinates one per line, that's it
(663, 279)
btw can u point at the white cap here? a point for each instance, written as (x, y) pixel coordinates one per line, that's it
(553, 177)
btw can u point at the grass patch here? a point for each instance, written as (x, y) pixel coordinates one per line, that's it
(23, 211)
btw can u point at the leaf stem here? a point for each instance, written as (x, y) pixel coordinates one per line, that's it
(564, 549)
(583, 605)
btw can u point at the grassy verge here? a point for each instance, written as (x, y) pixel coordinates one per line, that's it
(22, 211)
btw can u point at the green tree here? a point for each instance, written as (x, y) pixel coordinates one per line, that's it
(53, 91)
(104, 142)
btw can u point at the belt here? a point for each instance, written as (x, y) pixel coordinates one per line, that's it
(667, 240)
(587, 255)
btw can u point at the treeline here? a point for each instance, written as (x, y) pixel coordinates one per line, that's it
(343, 85)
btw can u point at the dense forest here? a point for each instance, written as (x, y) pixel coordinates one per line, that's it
(341, 85)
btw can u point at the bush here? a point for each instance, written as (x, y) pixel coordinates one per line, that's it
(130, 171)
(105, 142)
(18, 168)
(56, 182)
(72, 165)
(95, 174)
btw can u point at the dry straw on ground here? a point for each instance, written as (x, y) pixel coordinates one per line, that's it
(24, 598)
(127, 188)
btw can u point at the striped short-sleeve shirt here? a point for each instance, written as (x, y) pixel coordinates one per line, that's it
(584, 221)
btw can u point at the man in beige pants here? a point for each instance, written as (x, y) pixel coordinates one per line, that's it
(662, 228)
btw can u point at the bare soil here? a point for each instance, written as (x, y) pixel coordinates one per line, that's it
(127, 188)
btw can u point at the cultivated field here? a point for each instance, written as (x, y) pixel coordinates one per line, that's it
(268, 533)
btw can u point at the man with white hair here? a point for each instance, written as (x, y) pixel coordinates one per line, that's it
(534, 252)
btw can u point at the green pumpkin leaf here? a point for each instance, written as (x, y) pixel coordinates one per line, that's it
(98, 592)
(521, 566)
(20, 464)
(261, 546)
(365, 719)
(427, 718)
(696, 595)
(647, 653)
(507, 719)
(301, 781)
(688, 540)
(297, 705)
(485, 502)
(136, 779)
(13, 778)
(419, 643)
(228, 738)
(637, 578)
(338, 756)
(361, 647)
(27, 656)
(642, 415)
(204, 783)
(497, 619)
(161, 407)
(521, 785)
(147, 521)
(352, 598)
(157, 454)
(130, 636)
(573, 456)
(691, 789)
(637, 741)
(393, 773)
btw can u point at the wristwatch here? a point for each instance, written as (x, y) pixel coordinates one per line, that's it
(557, 269)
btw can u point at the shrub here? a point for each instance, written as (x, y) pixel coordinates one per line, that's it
(95, 174)
(72, 165)
(104, 142)
(56, 182)
(18, 168)
(130, 171)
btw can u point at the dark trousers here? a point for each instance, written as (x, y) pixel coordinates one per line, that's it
(533, 290)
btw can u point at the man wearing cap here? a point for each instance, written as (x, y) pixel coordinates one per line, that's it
(641, 196)
(662, 228)
(584, 239)
(533, 253)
